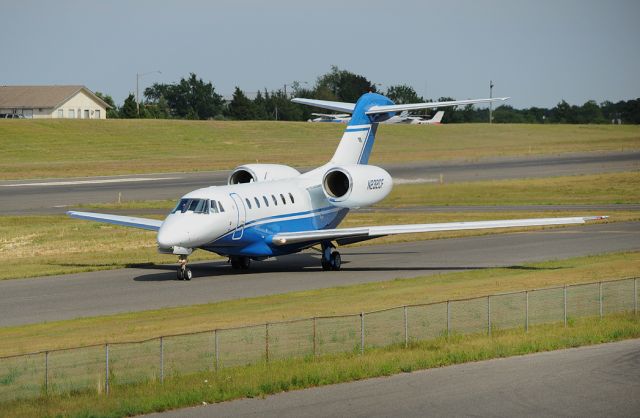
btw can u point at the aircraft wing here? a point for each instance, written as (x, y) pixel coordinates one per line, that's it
(414, 106)
(325, 104)
(142, 223)
(332, 115)
(351, 235)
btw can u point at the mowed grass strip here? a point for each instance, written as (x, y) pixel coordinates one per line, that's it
(50, 148)
(278, 376)
(592, 189)
(137, 326)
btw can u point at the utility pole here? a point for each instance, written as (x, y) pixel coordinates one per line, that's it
(490, 103)
(138, 75)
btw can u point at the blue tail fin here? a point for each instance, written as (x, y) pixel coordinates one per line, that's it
(358, 138)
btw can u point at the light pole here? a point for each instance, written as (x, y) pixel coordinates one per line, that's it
(138, 75)
(490, 103)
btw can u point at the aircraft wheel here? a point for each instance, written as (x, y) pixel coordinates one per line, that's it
(336, 261)
(245, 262)
(187, 275)
(326, 265)
(180, 274)
(235, 263)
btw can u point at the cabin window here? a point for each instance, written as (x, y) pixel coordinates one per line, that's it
(284, 202)
(214, 206)
(248, 203)
(266, 201)
(257, 202)
(291, 197)
(220, 206)
(182, 206)
(202, 206)
(275, 201)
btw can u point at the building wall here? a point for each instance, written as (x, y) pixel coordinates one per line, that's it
(80, 103)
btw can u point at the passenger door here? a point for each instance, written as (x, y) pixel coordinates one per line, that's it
(242, 216)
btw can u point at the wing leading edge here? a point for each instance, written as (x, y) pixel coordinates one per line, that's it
(141, 223)
(350, 235)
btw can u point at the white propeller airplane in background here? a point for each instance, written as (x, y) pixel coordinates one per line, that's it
(331, 117)
(408, 119)
(269, 210)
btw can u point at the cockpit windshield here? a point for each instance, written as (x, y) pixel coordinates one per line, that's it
(192, 205)
(198, 206)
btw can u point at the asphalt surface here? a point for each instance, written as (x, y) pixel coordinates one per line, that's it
(596, 381)
(58, 195)
(54, 298)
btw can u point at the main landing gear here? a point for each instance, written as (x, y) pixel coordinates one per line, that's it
(184, 273)
(239, 262)
(330, 257)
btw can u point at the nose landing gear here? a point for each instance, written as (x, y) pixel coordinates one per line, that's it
(184, 273)
(331, 259)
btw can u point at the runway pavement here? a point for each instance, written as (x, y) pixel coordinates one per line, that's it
(596, 381)
(58, 195)
(25, 301)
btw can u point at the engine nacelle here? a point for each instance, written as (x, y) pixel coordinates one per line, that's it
(261, 172)
(354, 186)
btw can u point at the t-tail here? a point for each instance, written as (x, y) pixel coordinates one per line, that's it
(371, 108)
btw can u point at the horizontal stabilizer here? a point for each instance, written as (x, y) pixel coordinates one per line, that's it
(142, 223)
(414, 106)
(325, 104)
(364, 233)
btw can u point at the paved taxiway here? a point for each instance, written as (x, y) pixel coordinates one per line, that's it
(598, 381)
(58, 195)
(54, 298)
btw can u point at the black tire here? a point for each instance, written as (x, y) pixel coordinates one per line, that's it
(180, 275)
(235, 263)
(336, 261)
(245, 262)
(326, 265)
(187, 274)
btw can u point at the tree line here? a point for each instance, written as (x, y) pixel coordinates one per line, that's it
(192, 98)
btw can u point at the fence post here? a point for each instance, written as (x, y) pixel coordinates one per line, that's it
(46, 372)
(361, 332)
(564, 292)
(406, 328)
(266, 340)
(600, 298)
(106, 380)
(635, 296)
(489, 315)
(315, 348)
(526, 311)
(215, 348)
(161, 360)
(448, 318)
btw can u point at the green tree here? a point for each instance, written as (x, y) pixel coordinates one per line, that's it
(129, 109)
(343, 85)
(241, 108)
(191, 98)
(403, 93)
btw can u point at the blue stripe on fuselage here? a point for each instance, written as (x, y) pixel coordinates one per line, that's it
(256, 240)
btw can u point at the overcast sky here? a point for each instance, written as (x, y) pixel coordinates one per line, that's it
(537, 52)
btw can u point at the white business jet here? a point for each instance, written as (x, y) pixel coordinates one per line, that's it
(269, 210)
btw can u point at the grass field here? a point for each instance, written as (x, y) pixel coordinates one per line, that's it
(264, 379)
(66, 148)
(335, 301)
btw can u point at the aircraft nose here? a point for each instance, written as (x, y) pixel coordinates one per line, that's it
(172, 236)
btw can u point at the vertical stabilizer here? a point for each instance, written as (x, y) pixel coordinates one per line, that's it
(358, 138)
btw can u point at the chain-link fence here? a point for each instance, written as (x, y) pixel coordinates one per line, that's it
(97, 367)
